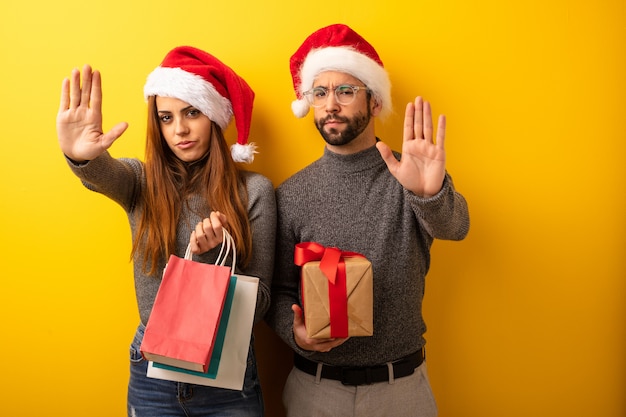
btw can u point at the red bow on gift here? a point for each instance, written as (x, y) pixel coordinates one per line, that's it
(333, 267)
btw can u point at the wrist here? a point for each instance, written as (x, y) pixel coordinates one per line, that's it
(76, 161)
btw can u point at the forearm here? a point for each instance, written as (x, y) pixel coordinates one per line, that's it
(117, 179)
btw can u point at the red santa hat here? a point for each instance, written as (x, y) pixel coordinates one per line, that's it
(338, 48)
(198, 78)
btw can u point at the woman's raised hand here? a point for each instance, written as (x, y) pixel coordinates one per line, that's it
(79, 121)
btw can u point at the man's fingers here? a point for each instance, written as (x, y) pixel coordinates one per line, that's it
(409, 126)
(328, 345)
(74, 89)
(428, 122)
(86, 86)
(387, 155)
(441, 131)
(299, 331)
(65, 95)
(297, 314)
(418, 126)
(95, 97)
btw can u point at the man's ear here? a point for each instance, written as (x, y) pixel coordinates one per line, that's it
(377, 106)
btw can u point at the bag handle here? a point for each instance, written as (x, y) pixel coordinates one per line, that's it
(228, 244)
(225, 243)
(188, 254)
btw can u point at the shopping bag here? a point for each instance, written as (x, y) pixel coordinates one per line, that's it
(219, 339)
(185, 317)
(232, 363)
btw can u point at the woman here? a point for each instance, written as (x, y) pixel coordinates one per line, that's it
(186, 191)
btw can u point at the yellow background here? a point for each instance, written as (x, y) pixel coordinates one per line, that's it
(526, 316)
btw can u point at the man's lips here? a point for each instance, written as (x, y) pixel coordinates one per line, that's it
(333, 122)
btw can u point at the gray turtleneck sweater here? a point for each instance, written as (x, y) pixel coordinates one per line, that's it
(121, 179)
(354, 203)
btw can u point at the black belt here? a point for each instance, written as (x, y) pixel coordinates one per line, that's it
(349, 375)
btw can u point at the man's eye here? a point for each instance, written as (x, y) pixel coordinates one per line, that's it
(319, 92)
(344, 91)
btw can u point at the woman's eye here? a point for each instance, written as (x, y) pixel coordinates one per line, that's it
(193, 113)
(165, 119)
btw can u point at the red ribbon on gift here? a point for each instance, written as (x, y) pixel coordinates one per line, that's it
(333, 267)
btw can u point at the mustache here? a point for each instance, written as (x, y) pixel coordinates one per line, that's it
(333, 118)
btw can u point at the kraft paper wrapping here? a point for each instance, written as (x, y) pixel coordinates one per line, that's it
(359, 283)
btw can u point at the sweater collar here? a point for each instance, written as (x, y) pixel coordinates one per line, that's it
(356, 162)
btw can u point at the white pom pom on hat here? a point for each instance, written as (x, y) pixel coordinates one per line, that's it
(200, 79)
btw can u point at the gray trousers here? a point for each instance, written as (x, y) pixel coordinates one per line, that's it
(310, 396)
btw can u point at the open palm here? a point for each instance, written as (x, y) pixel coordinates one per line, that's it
(79, 120)
(422, 166)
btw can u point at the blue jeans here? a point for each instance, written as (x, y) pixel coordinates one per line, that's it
(149, 397)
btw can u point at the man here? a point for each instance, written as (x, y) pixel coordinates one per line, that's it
(361, 197)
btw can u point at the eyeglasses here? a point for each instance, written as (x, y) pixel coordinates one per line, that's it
(344, 94)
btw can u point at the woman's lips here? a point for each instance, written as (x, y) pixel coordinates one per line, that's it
(185, 144)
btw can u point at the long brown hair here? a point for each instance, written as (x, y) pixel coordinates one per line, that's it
(169, 180)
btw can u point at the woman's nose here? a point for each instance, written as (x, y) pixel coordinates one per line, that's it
(181, 127)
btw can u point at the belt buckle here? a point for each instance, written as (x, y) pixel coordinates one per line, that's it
(354, 376)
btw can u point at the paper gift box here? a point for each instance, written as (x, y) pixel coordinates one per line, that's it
(337, 292)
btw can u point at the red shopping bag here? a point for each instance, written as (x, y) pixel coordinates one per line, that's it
(183, 324)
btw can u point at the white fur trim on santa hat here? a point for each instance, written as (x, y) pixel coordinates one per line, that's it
(192, 89)
(348, 60)
(243, 153)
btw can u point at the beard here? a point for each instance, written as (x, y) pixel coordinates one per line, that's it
(353, 128)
